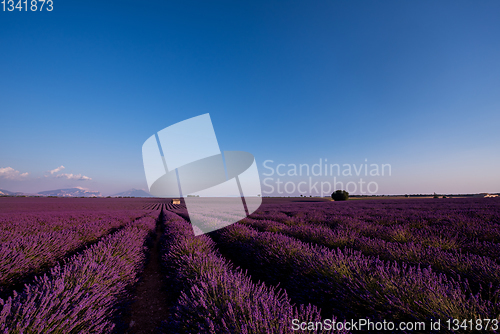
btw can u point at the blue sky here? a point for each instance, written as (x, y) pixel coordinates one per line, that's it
(413, 84)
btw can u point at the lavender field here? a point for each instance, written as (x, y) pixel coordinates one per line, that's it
(105, 265)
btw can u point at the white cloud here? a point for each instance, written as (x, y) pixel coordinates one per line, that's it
(68, 176)
(12, 174)
(58, 169)
(79, 177)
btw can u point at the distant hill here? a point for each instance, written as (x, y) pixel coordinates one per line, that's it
(6, 192)
(9, 193)
(71, 192)
(133, 193)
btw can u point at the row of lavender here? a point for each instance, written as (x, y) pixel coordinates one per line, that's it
(441, 239)
(348, 283)
(216, 297)
(481, 271)
(467, 224)
(82, 294)
(31, 242)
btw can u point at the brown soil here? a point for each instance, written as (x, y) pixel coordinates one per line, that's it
(150, 306)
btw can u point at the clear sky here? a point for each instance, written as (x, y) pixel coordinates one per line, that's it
(413, 84)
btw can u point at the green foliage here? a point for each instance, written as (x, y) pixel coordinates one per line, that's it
(340, 195)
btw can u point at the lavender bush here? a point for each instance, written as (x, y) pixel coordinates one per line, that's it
(80, 295)
(28, 249)
(350, 282)
(478, 269)
(218, 298)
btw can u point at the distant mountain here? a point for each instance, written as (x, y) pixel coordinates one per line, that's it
(6, 192)
(71, 192)
(9, 193)
(133, 193)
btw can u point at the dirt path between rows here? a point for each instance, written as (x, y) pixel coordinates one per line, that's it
(150, 306)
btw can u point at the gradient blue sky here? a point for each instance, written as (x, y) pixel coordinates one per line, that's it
(414, 84)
